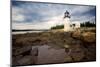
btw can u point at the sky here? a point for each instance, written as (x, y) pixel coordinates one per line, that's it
(35, 15)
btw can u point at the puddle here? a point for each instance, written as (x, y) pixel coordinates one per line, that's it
(47, 54)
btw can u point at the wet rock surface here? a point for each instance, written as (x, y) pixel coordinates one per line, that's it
(53, 47)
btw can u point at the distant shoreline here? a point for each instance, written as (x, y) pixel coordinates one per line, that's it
(31, 30)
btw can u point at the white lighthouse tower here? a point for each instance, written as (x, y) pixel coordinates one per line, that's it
(66, 21)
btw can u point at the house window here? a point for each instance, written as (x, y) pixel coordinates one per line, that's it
(73, 25)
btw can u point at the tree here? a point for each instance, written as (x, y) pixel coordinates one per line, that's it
(88, 24)
(58, 27)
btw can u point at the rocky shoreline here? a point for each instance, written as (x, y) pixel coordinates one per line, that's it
(79, 45)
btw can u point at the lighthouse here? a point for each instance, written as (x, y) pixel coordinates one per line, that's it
(66, 21)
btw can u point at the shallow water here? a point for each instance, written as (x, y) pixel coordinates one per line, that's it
(46, 54)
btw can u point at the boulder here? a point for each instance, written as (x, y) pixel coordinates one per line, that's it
(88, 37)
(25, 60)
(76, 34)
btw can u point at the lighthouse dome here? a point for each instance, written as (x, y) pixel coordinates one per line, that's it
(67, 14)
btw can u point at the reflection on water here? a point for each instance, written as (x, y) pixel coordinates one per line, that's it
(46, 55)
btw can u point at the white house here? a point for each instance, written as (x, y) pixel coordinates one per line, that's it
(75, 25)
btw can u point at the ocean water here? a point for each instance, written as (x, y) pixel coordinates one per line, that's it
(23, 32)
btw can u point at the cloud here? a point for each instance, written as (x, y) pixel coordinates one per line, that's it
(44, 25)
(27, 15)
